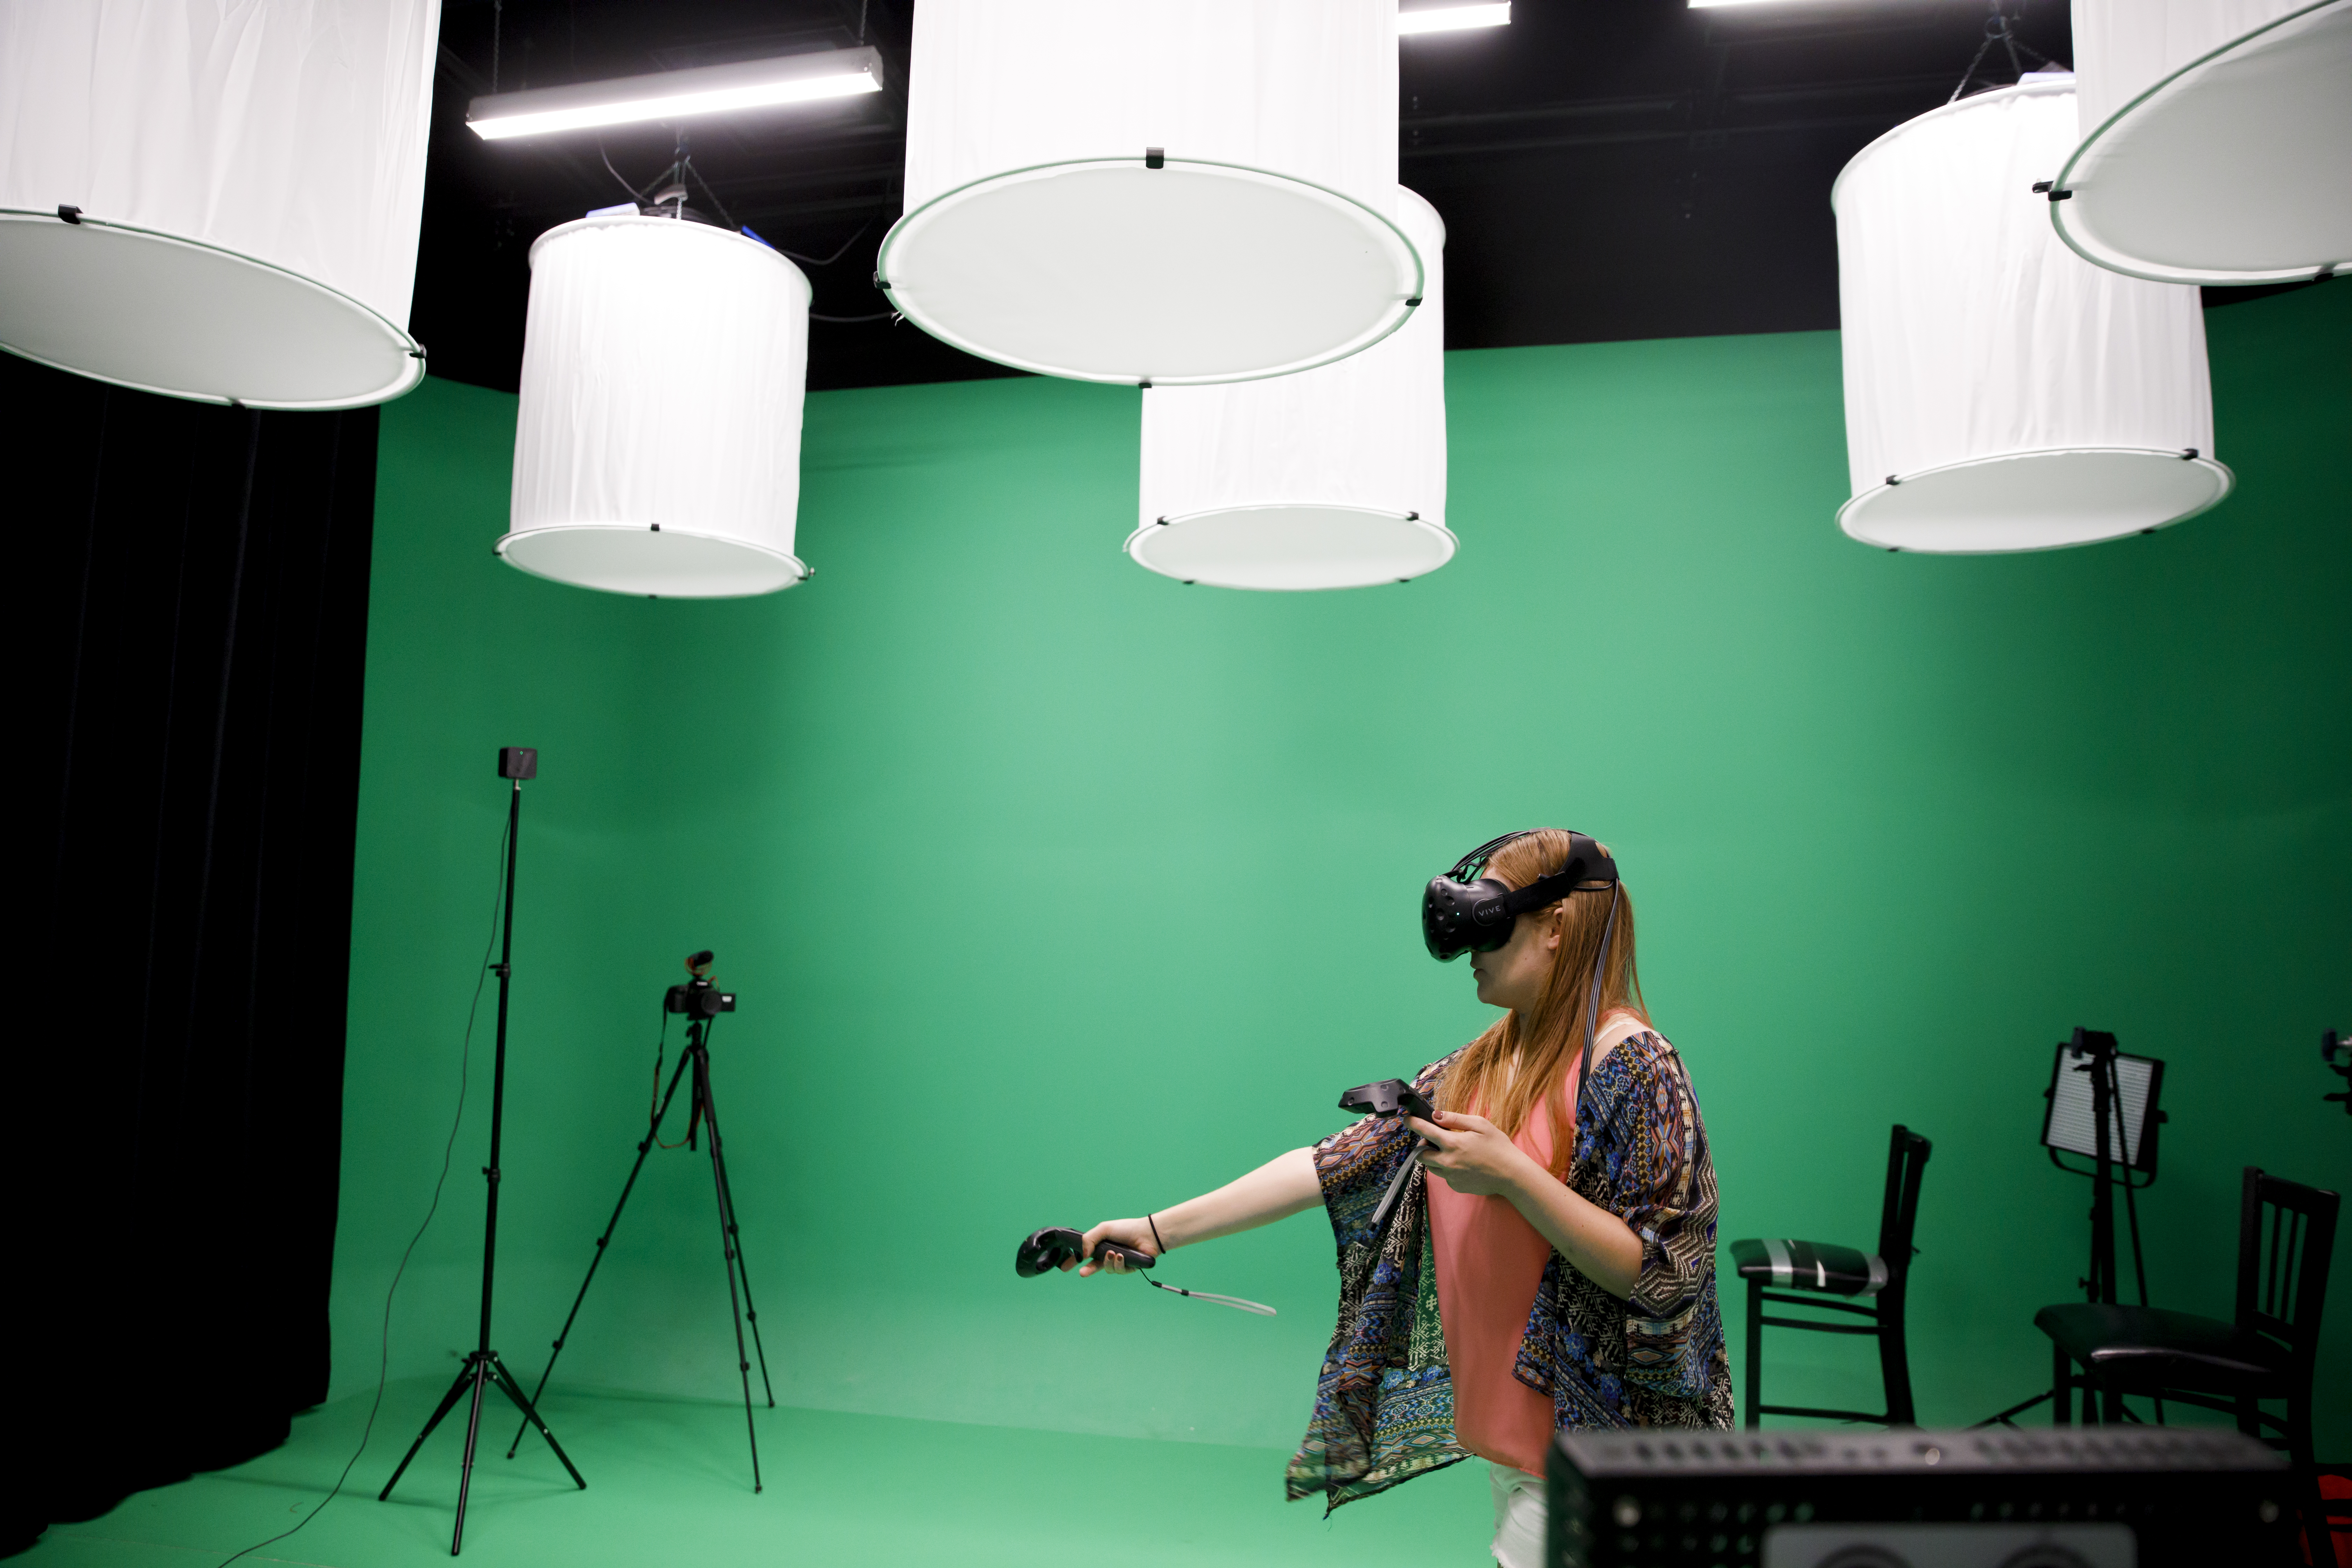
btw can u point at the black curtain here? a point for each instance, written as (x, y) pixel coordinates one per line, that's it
(195, 627)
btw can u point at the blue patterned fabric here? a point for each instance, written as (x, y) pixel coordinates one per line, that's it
(1384, 1400)
(1658, 1359)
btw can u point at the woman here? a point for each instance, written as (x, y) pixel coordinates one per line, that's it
(1552, 1264)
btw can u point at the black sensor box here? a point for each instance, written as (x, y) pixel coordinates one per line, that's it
(2098, 1496)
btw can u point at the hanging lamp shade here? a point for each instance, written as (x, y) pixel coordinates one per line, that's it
(2000, 392)
(658, 443)
(1334, 477)
(1153, 191)
(217, 202)
(2217, 140)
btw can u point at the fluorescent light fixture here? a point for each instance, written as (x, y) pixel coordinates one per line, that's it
(678, 94)
(1726, 5)
(1454, 18)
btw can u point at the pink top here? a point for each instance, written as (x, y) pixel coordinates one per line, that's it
(1489, 1262)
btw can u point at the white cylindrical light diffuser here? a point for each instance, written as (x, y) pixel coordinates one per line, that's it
(2000, 392)
(1171, 191)
(217, 202)
(2217, 140)
(1334, 477)
(658, 444)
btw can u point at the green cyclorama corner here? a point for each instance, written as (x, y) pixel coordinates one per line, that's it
(1054, 889)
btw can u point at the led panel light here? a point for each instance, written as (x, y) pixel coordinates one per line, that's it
(678, 94)
(1452, 19)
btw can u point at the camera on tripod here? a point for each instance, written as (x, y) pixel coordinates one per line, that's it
(700, 1002)
(697, 998)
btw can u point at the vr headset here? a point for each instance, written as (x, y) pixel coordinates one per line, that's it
(1465, 912)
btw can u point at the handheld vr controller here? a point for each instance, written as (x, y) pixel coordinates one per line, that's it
(1396, 1098)
(1389, 1097)
(1047, 1251)
(1044, 1251)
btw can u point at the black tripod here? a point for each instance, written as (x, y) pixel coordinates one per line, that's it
(483, 1369)
(700, 1002)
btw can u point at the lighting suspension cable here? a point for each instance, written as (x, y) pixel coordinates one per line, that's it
(2000, 28)
(684, 166)
(636, 193)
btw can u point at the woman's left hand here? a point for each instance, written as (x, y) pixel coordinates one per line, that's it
(1472, 1154)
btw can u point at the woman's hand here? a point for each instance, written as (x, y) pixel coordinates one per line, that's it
(1134, 1233)
(1473, 1156)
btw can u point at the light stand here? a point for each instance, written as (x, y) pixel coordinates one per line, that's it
(483, 1369)
(2092, 1054)
(2099, 1284)
(702, 1006)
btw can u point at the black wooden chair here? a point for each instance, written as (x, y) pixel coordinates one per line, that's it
(2287, 1235)
(1831, 1279)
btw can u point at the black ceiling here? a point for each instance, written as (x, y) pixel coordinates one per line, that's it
(1607, 169)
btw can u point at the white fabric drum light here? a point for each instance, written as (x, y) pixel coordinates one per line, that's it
(1161, 191)
(658, 444)
(241, 186)
(2000, 392)
(1334, 477)
(2217, 140)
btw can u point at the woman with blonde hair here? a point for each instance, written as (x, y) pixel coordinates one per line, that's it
(1545, 1259)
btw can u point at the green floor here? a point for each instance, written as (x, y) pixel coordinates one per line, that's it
(669, 1483)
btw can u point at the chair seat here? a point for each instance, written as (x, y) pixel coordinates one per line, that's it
(1810, 1266)
(2153, 1348)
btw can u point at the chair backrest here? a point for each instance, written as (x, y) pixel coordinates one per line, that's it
(1907, 1158)
(2286, 1237)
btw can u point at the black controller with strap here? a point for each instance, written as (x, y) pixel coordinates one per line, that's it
(1049, 1250)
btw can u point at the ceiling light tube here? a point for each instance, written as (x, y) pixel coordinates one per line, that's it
(1452, 19)
(678, 94)
(1726, 5)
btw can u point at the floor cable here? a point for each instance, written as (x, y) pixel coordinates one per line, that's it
(384, 1356)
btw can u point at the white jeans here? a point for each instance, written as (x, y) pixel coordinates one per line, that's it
(1519, 1516)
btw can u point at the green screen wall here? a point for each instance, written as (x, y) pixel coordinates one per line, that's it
(1057, 890)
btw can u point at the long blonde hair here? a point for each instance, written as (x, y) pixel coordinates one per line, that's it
(1521, 1061)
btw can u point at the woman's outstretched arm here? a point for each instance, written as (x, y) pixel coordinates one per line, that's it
(1285, 1185)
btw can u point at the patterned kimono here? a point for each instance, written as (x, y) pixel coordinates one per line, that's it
(1384, 1403)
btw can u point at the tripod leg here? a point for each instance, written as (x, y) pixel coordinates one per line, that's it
(742, 1269)
(530, 1417)
(481, 1366)
(727, 1245)
(449, 1401)
(644, 1147)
